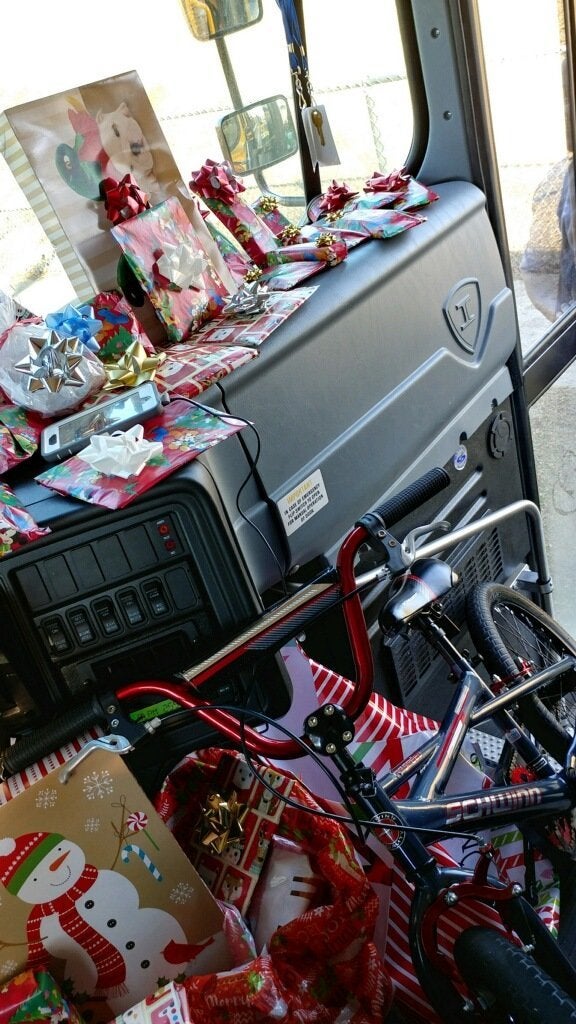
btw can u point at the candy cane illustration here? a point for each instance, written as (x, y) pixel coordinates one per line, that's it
(132, 848)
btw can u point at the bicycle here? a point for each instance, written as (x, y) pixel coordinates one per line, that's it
(518, 972)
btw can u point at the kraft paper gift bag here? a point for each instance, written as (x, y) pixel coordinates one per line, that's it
(60, 147)
(96, 889)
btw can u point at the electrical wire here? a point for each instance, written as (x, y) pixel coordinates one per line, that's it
(253, 462)
(349, 819)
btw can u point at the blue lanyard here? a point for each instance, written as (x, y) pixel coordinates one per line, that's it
(296, 51)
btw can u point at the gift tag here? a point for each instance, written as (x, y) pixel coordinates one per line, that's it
(319, 136)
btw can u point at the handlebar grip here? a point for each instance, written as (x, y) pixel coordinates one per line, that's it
(417, 493)
(41, 742)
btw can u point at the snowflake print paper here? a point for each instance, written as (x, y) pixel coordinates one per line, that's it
(98, 785)
(115, 881)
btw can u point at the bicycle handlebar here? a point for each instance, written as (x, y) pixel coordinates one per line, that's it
(393, 509)
(91, 712)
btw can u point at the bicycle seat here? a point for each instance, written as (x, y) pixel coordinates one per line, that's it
(427, 580)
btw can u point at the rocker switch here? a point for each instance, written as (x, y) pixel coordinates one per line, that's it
(131, 607)
(156, 598)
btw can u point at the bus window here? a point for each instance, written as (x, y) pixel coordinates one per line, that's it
(198, 77)
(524, 49)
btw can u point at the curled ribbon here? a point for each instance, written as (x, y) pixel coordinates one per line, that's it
(396, 181)
(335, 197)
(177, 267)
(221, 823)
(76, 322)
(134, 367)
(123, 199)
(216, 181)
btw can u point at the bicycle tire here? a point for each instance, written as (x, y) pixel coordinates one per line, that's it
(510, 985)
(506, 627)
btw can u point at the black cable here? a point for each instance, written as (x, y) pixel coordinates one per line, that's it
(253, 462)
(242, 713)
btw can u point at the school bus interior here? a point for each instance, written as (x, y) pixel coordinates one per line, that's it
(416, 351)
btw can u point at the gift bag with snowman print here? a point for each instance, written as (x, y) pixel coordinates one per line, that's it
(94, 887)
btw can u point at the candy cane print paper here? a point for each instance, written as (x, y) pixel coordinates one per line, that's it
(94, 886)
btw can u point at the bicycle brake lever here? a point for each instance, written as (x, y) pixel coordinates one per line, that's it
(409, 542)
(115, 744)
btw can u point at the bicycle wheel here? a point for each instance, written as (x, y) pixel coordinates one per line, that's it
(516, 638)
(508, 984)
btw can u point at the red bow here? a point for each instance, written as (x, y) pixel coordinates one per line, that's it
(216, 181)
(123, 199)
(396, 181)
(336, 197)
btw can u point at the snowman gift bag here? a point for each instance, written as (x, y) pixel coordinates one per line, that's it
(94, 887)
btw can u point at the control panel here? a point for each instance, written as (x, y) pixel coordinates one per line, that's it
(140, 593)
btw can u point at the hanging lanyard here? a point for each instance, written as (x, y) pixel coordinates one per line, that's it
(296, 51)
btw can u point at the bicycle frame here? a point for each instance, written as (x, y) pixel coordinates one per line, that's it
(407, 827)
(427, 809)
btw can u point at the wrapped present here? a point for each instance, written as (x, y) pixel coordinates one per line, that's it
(221, 192)
(376, 223)
(184, 431)
(327, 248)
(49, 374)
(17, 527)
(227, 835)
(119, 327)
(34, 995)
(168, 1004)
(190, 369)
(20, 431)
(170, 263)
(267, 208)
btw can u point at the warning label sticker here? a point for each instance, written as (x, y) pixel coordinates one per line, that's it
(303, 502)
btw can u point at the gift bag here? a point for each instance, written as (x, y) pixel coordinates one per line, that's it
(95, 889)
(60, 147)
(323, 964)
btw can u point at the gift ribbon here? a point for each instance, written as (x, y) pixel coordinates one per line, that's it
(177, 267)
(335, 197)
(122, 453)
(76, 322)
(134, 367)
(123, 199)
(396, 181)
(221, 823)
(216, 181)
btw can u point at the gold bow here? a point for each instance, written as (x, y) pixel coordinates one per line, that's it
(134, 367)
(221, 823)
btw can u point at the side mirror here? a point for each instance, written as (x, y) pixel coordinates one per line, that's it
(258, 136)
(212, 19)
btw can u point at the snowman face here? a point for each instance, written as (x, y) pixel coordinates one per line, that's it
(55, 874)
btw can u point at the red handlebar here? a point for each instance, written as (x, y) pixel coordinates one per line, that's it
(225, 723)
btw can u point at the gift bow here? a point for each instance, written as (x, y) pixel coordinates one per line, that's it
(335, 197)
(123, 453)
(123, 199)
(134, 367)
(396, 181)
(216, 181)
(177, 267)
(221, 824)
(76, 322)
